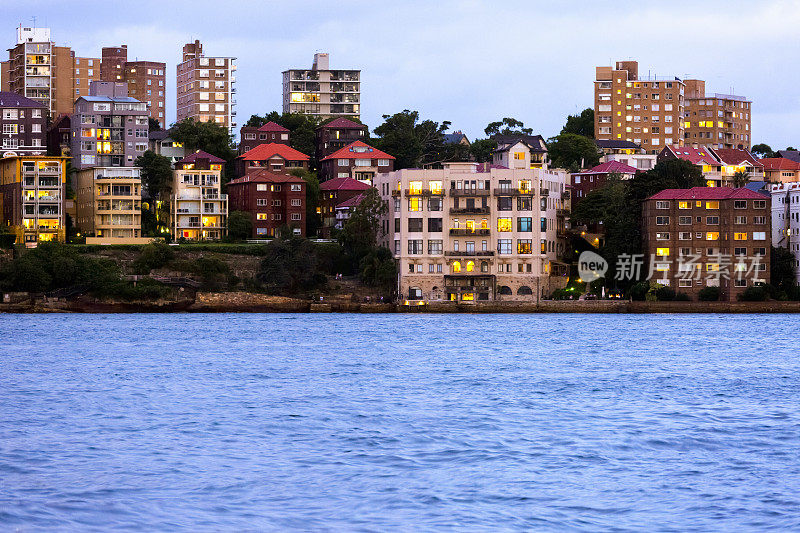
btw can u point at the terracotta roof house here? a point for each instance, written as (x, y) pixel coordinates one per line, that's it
(596, 177)
(274, 157)
(273, 200)
(780, 170)
(334, 193)
(252, 136)
(335, 135)
(357, 160)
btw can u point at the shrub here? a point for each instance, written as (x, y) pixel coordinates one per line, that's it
(753, 294)
(638, 292)
(682, 297)
(665, 294)
(708, 294)
(153, 256)
(291, 266)
(7, 241)
(240, 225)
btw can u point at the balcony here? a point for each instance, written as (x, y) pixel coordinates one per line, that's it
(468, 232)
(508, 191)
(469, 211)
(395, 192)
(424, 192)
(469, 192)
(470, 254)
(215, 197)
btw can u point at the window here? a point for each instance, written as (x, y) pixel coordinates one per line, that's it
(504, 203)
(662, 236)
(714, 204)
(261, 187)
(759, 235)
(740, 236)
(712, 236)
(504, 246)
(524, 224)
(524, 246)
(296, 216)
(504, 224)
(296, 187)
(434, 247)
(662, 252)
(740, 220)
(712, 221)
(685, 235)
(759, 220)
(415, 246)
(297, 202)
(261, 202)
(415, 204)
(383, 162)
(684, 221)
(740, 204)
(661, 204)
(524, 203)
(415, 225)
(262, 216)
(435, 225)
(662, 221)
(759, 204)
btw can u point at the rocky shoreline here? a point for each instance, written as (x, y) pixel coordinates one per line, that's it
(243, 302)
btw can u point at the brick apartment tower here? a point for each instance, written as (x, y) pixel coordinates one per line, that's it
(146, 79)
(205, 89)
(50, 74)
(648, 111)
(717, 120)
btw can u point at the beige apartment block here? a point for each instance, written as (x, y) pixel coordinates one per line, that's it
(646, 110)
(109, 205)
(199, 211)
(466, 236)
(716, 120)
(205, 90)
(322, 92)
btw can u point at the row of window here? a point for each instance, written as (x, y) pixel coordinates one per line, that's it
(276, 187)
(263, 202)
(457, 267)
(504, 246)
(277, 216)
(710, 204)
(711, 236)
(15, 114)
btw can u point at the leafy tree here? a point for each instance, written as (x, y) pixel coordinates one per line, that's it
(582, 124)
(507, 126)
(379, 269)
(313, 219)
(153, 124)
(153, 256)
(412, 142)
(740, 178)
(572, 151)
(482, 149)
(708, 294)
(240, 225)
(781, 268)
(762, 150)
(206, 136)
(360, 233)
(156, 174)
(290, 266)
(754, 294)
(300, 126)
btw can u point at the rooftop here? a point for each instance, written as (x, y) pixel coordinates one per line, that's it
(707, 193)
(265, 176)
(343, 184)
(342, 123)
(272, 126)
(736, 156)
(8, 99)
(697, 156)
(608, 168)
(358, 150)
(779, 163)
(262, 152)
(199, 154)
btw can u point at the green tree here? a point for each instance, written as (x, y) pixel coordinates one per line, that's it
(153, 124)
(360, 234)
(290, 266)
(379, 269)
(762, 150)
(240, 225)
(581, 124)
(206, 136)
(313, 219)
(781, 268)
(300, 126)
(412, 142)
(156, 174)
(740, 178)
(482, 150)
(507, 126)
(572, 151)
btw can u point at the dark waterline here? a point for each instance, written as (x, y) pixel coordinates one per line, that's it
(399, 422)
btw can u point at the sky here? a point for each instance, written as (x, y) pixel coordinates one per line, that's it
(470, 62)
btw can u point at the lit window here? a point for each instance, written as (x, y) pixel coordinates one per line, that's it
(712, 236)
(504, 224)
(662, 252)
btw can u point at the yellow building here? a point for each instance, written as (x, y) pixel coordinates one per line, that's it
(109, 205)
(198, 210)
(32, 197)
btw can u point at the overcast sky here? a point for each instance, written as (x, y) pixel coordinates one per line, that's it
(469, 62)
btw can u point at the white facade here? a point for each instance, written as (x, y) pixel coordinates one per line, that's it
(199, 210)
(322, 92)
(637, 161)
(467, 236)
(786, 220)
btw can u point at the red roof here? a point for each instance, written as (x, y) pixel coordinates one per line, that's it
(343, 123)
(351, 202)
(348, 152)
(697, 156)
(271, 126)
(735, 156)
(262, 152)
(265, 176)
(191, 158)
(610, 166)
(343, 184)
(779, 163)
(707, 193)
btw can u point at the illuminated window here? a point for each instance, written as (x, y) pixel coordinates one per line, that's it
(712, 236)
(415, 204)
(712, 205)
(470, 266)
(519, 156)
(684, 205)
(435, 187)
(415, 187)
(740, 236)
(456, 267)
(712, 267)
(525, 186)
(468, 296)
(504, 224)
(262, 216)
(662, 252)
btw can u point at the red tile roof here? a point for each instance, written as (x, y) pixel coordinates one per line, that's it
(611, 166)
(351, 202)
(697, 156)
(734, 156)
(343, 123)
(191, 158)
(262, 152)
(348, 153)
(707, 193)
(343, 184)
(271, 126)
(265, 176)
(779, 163)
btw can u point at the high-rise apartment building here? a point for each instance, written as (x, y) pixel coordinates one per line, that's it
(198, 209)
(717, 120)
(50, 74)
(322, 92)
(23, 125)
(206, 89)
(648, 111)
(146, 79)
(109, 128)
(109, 205)
(466, 236)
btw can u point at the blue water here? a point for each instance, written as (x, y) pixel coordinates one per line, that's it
(399, 422)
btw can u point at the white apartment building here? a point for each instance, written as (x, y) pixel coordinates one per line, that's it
(109, 205)
(786, 220)
(205, 90)
(199, 211)
(466, 236)
(322, 92)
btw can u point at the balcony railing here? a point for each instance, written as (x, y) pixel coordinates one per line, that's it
(469, 211)
(508, 191)
(469, 192)
(470, 254)
(424, 192)
(468, 232)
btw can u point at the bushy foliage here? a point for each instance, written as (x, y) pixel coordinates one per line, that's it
(664, 294)
(240, 225)
(378, 269)
(682, 297)
(709, 294)
(153, 256)
(291, 266)
(754, 294)
(638, 292)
